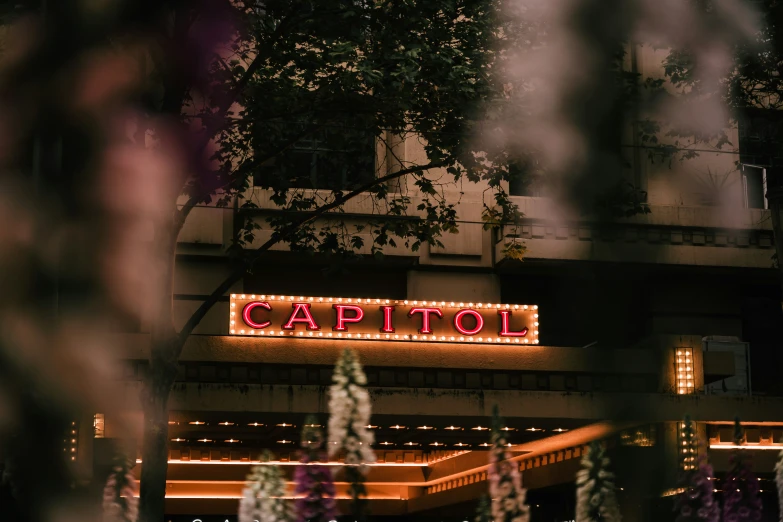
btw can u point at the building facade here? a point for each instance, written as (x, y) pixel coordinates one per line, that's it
(643, 320)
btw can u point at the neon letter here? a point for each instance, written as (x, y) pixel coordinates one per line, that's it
(342, 319)
(388, 326)
(458, 322)
(425, 317)
(249, 308)
(308, 317)
(505, 319)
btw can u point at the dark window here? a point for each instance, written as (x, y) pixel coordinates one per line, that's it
(332, 157)
(760, 140)
(760, 137)
(523, 181)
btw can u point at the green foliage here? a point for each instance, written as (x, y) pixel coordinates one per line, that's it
(515, 249)
(327, 85)
(484, 510)
(754, 81)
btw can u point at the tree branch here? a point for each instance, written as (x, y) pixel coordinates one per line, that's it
(194, 200)
(279, 236)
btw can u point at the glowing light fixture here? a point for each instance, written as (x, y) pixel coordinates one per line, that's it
(683, 368)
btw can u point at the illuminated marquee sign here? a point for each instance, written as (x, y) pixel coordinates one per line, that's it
(382, 319)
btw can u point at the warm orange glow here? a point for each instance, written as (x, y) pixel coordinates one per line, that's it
(289, 463)
(684, 371)
(729, 446)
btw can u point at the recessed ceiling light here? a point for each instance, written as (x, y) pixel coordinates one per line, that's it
(437, 444)
(285, 425)
(284, 441)
(173, 422)
(480, 428)
(485, 444)
(386, 443)
(534, 429)
(197, 423)
(411, 443)
(178, 440)
(425, 428)
(226, 423)
(313, 426)
(205, 440)
(255, 424)
(371, 427)
(462, 445)
(231, 440)
(453, 428)
(397, 427)
(506, 428)
(560, 430)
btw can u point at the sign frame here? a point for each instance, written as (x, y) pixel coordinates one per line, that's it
(427, 315)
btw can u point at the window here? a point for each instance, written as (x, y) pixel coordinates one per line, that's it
(523, 182)
(332, 157)
(760, 138)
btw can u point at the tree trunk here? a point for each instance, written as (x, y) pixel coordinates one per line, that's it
(165, 348)
(155, 450)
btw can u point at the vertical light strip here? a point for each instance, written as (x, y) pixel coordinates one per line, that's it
(687, 445)
(683, 367)
(99, 425)
(70, 443)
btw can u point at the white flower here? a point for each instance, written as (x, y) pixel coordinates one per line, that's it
(595, 488)
(263, 498)
(350, 409)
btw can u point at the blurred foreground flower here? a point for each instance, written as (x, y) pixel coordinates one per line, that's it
(349, 409)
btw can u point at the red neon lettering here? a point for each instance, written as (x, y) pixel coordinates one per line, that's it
(458, 322)
(425, 317)
(388, 326)
(505, 319)
(307, 319)
(249, 308)
(342, 319)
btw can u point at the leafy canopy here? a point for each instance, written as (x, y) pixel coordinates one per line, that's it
(329, 89)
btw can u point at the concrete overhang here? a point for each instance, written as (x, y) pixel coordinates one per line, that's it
(434, 402)
(298, 351)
